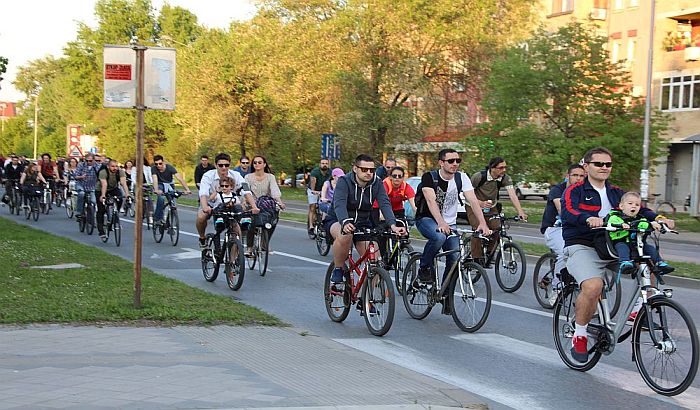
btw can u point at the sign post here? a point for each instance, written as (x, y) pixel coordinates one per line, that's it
(139, 77)
(330, 146)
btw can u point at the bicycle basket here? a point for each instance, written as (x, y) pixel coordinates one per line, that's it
(604, 246)
(265, 217)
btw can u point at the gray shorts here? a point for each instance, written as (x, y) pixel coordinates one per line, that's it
(583, 263)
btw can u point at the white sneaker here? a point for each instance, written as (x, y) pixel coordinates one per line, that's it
(553, 297)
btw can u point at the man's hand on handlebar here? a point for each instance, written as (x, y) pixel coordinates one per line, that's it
(444, 228)
(595, 222)
(485, 230)
(348, 228)
(399, 230)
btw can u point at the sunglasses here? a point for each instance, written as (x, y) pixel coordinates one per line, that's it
(159, 163)
(397, 176)
(258, 162)
(225, 186)
(223, 165)
(601, 164)
(366, 169)
(453, 160)
(245, 163)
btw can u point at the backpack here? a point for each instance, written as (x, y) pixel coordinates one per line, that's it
(420, 199)
(482, 181)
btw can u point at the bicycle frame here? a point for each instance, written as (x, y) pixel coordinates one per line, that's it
(369, 257)
(502, 233)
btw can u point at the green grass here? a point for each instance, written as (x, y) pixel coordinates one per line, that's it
(289, 193)
(102, 291)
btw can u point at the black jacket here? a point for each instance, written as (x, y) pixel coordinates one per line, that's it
(352, 203)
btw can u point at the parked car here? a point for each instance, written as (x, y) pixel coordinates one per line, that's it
(413, 182)
(300, 180)
(525, 189)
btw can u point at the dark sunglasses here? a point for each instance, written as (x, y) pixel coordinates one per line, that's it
(453, 160)
(397, 176)
(366, 169)
(245, 163)
(258, 162)
(225, 186)
(223, 165)
(601, 164)
(159, 163)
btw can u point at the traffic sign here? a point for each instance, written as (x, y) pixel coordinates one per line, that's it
(330, 146)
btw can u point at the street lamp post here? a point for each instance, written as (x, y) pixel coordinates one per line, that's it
(644, 176)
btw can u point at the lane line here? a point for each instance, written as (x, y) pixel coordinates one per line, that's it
(301, 258)
(181, 231)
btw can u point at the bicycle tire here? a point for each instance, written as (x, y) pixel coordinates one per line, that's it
(563, 326)
(18, 202)
(159, 230)
(337, 301)
(542, 279)
(667, 209)
(148, 213)
(11, 202)
(173, 227)
(418, 302)
(35, 209)
(251, 259)
(379, 301)
(234, 268)
(511, 277)
(82, 220)
(58, 200)
(466, 297)
(210, 267)
(323, 245)
(399, 265)
(69, 209)
(28, 210)
(672, 329)
(90, 221)
(117, 228)
(131, 210)
(262, 250)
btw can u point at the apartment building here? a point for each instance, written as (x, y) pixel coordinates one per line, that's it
(675, 75)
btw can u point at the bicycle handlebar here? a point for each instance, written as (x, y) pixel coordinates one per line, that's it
(619, 227)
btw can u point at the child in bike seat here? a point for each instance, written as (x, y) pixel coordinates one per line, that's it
(628, 216)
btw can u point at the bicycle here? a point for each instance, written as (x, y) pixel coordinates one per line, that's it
(59, 193)
(229, 252)
(366, 283)
(260, 246)
(112, 223)
(171, 224)
(664, 337)
(397, 254)
(507, 257)
(71, 199)
(14, 197)
(665, 208)
(129, 208)
(466, 282)
(33, 208)
(323, 239)
(46, 198)
(543, 275)
(87, 219)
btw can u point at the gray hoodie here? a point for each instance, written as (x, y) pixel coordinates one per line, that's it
(352, 203)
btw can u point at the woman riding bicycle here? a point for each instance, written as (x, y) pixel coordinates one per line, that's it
(30, 179)
(263, 185)
(328, 189)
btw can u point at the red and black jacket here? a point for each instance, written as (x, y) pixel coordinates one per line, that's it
(580, 202)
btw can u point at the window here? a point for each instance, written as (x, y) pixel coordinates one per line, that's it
(618, 4)
(615, 52)
(562, 6)
(634, 3)
(679, 93)
(631, 49)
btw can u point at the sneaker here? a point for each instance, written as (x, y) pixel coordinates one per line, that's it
(552, 300)
(103, 237)
(311, 233)
(663, 268)
(631, 318)
(337, 275)
(579, 348)
(248, 253)
(446, 307)
(626, 267)
(425, 275)
(202, 243)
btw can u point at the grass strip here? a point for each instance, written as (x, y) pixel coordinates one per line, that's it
(102, 291)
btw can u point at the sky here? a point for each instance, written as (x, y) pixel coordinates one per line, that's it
(32, 29)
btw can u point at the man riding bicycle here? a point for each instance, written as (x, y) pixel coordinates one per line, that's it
(354, 195)
(86, 179)
(436, 215)
(49, 170)
(163, 181)
(12, 175)
(585, 204)
(110, 180)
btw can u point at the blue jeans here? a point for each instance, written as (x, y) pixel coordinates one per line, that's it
(160, 203)
(436, 241)
(81, 199)
(624, 252)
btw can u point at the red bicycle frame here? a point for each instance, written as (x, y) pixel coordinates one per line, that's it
(370, 255)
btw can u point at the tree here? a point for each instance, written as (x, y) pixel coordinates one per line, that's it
(554, 97)
(3, 67)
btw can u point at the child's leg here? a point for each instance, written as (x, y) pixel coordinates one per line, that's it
(652, 251)
(623, 250)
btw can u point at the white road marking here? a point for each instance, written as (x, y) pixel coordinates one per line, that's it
(625, 379)
(131, 221)
(412, 359)
(301, 258)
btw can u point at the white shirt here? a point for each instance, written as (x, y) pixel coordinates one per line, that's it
(605, 205)
(210, 184)
(147, 177)
(451, 200)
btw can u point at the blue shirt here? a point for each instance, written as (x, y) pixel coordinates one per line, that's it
(90, 172)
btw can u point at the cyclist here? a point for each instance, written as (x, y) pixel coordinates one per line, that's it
(352, 208)
(327, 191)
(317, 177)
(244, 167)
(69, 178)
(585, 204)
(86, 179)
(110, 180)
(384, 171)
(200, 169)
(13, 173)
(436, 213)
(263, 185)
(49, 170)
(210, 184)
(162, 175)
(30, 180)
(487, 184)
(128, 167)
(551, 222)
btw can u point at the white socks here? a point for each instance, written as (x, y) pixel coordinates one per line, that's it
(581, 330)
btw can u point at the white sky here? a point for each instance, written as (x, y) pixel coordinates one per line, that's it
(31, 29)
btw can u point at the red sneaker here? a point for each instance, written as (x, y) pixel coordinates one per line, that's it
(579, 348)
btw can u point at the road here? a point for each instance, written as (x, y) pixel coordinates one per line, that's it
(511, 362)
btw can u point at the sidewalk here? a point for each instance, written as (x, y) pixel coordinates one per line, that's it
(54, 366)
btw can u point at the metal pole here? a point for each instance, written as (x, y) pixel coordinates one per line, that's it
(644, 176)
(36, 122)
(138, 188)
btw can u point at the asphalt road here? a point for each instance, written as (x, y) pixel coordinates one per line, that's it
(511, 362)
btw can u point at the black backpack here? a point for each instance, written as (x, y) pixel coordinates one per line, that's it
(420, 199)
(482, 181)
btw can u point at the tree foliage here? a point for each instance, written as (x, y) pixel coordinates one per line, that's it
(557, 95)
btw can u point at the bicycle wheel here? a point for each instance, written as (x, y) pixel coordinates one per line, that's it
(234, 264)
(399, 264)
(148, 213)
(35, 209)
(336, 296)
(210, 266)
(542, 279)
(69, 208)
(131, 210)
(58, 200)
(82, 220)
(669, 367)
(564, 325)
(379, 301)
(510, 267)
(615, 295)
(11, 202)
(117, 228)
(173, 223)
(262, 250)
(90, 219)
(418, 302)
(666, 209)
(252, 259)
(28, 209)
(159, 229)
(18, 201)
(322, 244)
(470, 300)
